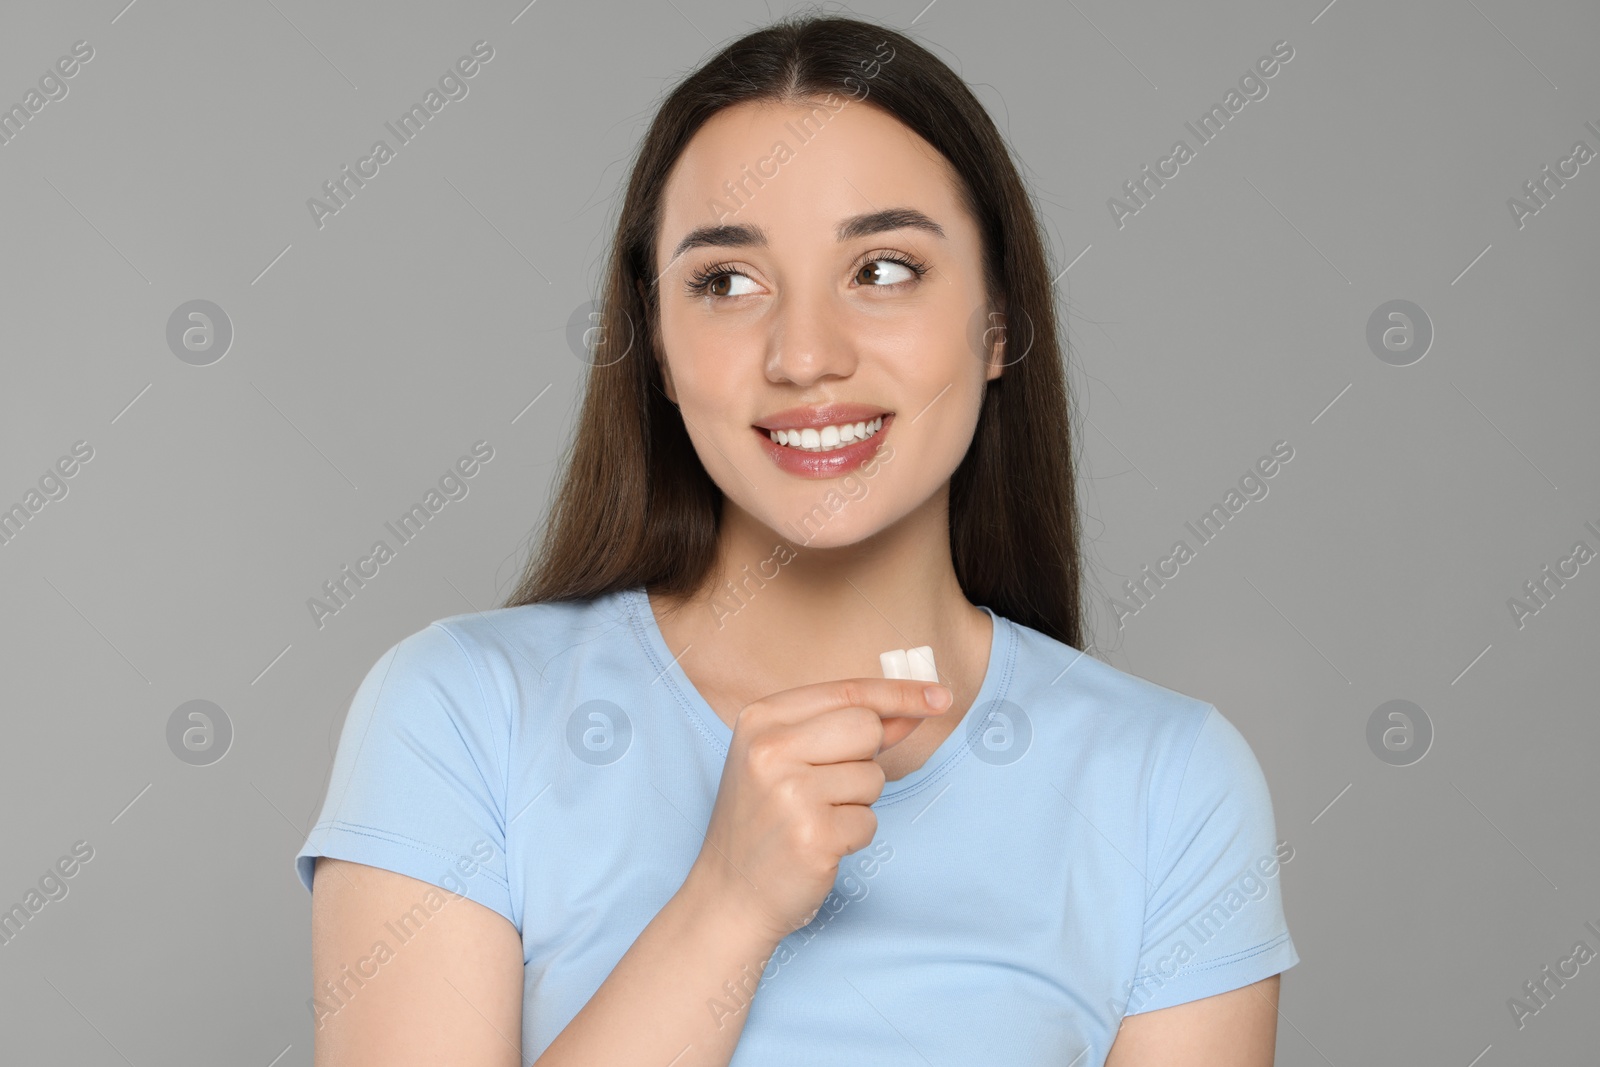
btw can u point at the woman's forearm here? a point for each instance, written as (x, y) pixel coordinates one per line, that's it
(679, 996)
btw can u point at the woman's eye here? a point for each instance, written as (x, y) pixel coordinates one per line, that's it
(721, 280)
(715, 281)
(885, 272)
(722, 284)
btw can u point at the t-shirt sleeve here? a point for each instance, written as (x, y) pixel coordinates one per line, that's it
(419, 777)
(1213, 920)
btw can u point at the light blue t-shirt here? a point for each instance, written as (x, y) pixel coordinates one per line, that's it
(1086, 845)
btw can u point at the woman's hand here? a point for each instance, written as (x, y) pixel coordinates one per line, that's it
(796, 791)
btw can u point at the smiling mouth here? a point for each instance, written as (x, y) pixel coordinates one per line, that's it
(827, 438)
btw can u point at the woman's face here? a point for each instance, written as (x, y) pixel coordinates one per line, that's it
(770, 310)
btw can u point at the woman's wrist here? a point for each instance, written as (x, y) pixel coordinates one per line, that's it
(711, 908)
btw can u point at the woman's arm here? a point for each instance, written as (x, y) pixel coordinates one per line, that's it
(1238, 1028)
(452, 993)
(655, 1007)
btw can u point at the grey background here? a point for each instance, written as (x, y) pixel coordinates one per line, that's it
(368, 355)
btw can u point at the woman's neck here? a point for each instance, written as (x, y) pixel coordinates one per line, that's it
(776, 614)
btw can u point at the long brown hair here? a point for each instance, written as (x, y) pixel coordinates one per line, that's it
(636, 507)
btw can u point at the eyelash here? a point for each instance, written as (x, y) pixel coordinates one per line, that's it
(699, 284)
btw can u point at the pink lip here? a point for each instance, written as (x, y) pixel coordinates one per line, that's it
(816, 416)
(830, 464)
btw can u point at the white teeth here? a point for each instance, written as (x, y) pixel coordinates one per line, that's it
(827, 438)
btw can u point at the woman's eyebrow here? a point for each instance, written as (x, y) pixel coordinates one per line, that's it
(741, 235)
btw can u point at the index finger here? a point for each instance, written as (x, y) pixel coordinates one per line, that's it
(889, 697)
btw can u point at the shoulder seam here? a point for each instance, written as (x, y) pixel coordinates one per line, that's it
(504, 754)
(1188, 761)
(1144, 913)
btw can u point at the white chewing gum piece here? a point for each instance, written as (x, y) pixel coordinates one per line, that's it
(920, 660)
(894, 663)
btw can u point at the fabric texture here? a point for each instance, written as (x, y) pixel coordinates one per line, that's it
(1085, 845)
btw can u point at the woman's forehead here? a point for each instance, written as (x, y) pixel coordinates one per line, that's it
(797, 170)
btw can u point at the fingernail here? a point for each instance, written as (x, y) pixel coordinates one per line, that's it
(937, 696)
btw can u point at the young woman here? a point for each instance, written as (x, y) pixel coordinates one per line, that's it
(663, 807)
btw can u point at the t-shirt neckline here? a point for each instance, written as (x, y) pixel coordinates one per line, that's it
(944, 759)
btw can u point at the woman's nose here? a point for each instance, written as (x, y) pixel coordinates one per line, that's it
(809, 339)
